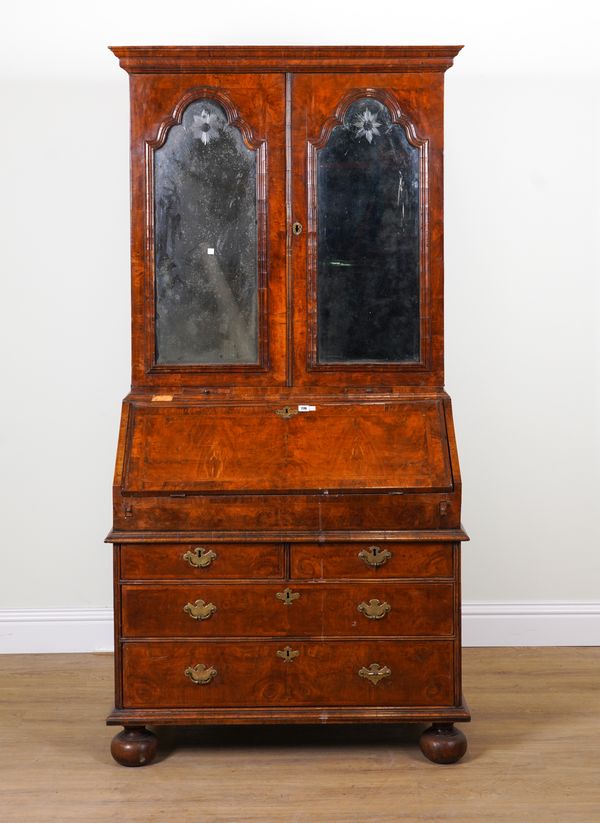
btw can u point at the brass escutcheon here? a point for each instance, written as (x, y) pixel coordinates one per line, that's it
(200, 557)
(374, 556)
(200, 610)
(297, 228)
(287, 596)
(286, 412)
(374, 609)
(287, 654)
(374, 673)
(200, 674)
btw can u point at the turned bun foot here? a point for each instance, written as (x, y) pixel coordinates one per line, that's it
(442, 743)
(134, 746)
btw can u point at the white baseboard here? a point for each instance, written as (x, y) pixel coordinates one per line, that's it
(540, 623)
(555, 623)
(34, 631)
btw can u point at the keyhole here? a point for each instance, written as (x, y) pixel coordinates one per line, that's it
(297, 228)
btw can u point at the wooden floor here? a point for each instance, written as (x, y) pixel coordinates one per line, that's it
(534, 753)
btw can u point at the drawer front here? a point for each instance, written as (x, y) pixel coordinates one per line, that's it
(202, 561)
(382, 609)
(367, 673)
(315, 561)
(366, 608)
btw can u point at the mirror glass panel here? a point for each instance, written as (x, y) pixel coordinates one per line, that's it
(205, 242)
(368, 199)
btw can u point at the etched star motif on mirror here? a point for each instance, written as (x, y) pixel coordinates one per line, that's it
(366, 125)
(203, 127)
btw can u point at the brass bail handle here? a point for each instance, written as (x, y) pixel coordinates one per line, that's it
(200, 558)
(297, 228)
(374, 556)
(374, 673)
(375, 609)
(201, 674)
(200, 610)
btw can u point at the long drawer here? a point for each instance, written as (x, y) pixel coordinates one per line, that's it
(364, 673)
(314, 561)
(365, 608)
(202, 561)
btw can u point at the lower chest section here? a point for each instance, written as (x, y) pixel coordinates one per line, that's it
(258, 625)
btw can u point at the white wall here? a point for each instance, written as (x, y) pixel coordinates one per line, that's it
(522, 274)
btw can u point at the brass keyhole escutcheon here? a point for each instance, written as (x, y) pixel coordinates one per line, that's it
(287, 596)
(286, 412)
(297, 228)
(287, 654)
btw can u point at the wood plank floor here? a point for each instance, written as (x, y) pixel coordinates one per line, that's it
(534, 753)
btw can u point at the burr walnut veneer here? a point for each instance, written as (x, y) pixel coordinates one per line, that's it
(287, 491)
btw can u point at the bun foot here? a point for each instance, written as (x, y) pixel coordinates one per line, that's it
(134, 746)
(442, 743)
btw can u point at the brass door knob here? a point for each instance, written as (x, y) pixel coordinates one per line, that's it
(375, 609)
(200, 557)
(200, 610)
(200, 674)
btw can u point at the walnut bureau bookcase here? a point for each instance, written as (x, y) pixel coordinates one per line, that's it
(287, 491)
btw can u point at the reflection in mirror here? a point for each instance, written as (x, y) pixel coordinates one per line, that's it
(368, 240)
(205, 249)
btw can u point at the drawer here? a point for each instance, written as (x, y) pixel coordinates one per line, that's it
(202, 561)
(383, 609)
(366, 673)
(365, 608)
(314, 561)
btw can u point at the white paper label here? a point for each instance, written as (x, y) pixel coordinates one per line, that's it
(210, 251)
(306, 408)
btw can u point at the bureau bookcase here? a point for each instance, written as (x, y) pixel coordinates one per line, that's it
(287, 491)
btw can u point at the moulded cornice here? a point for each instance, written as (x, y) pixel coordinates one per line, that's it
(159, 59)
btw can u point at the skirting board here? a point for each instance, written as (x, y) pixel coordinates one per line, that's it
(555, 623)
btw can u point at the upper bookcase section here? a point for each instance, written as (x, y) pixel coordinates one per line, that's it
(287, 216)
(171, 59)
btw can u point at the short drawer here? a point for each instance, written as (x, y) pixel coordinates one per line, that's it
(322, 673)
(314, 561)
(202, 561)
(366, 608)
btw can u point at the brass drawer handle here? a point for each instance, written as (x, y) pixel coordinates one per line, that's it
(287, 596)
(375, 556)
(200, 674)
(287, 654)
(200, 610)
(374, 673)
(200, 557)
(374, 609)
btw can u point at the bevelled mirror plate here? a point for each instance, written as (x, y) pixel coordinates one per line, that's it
(368, 240)
(205, 242)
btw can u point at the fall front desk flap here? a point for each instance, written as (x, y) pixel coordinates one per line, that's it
(205, 449)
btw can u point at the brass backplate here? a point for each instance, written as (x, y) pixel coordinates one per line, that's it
(374, 673)
(200, 610)
(200, 557)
